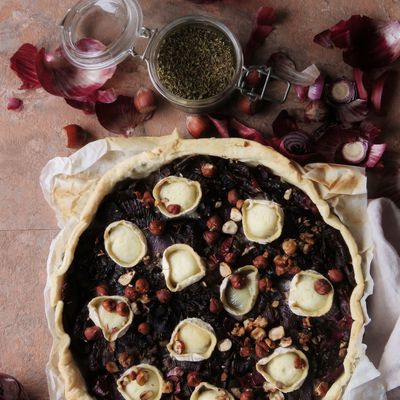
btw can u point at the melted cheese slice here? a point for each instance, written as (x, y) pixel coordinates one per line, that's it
(131, 390)
(198, 338)
(209, 395)
(177, 190)
(262, 220)
(206, 391)
(112, 324)
(182, 267)
(304, 300)
(279, 369)
(125, 243)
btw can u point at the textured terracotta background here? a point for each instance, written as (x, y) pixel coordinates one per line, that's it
(30, 138)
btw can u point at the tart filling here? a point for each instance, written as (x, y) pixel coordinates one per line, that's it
(311, 294)
(182, 267)
(141, 382)
(262, 220)
(285, 368)
(239, 299)
(112, 314)
(176, 196)
(206, 391)
(192, 340)
(125, 243)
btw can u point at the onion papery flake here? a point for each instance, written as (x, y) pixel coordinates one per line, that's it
(23, 62)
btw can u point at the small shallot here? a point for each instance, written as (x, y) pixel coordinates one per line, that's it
(145, 101)
(197, 125)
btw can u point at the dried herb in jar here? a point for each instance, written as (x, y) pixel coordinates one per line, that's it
(196, 62)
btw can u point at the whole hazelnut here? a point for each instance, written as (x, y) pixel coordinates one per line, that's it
(156, 227)
(126, 360)
(233, 196)
(211, 237)
(247, 105)
(122, 309)
(92, 333)
(142, 377)
(246, 395)
(102, 290)
(289, 246)
(261, 349)
(173, 209)
(322, 286)
(253, 78)
(143, 328)
(231, 258)
(145, 101)
(111, 367)
(109, 305)
(193, 378)
(335, 275)
(215, 305)
(197, 125)
(148, 199)
(237, 281)
(208, 170)
(260, 262)
(163, 295)
(130, 293)
(142, 285)
(214, 223)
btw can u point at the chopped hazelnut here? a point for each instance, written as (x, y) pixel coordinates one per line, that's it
(246, 395)
(268, 387)
(214, 223)
(143, 328)
(142, 377)
(289, 246)
(211, 237)
(193, 378)
(260, 322)
(132, 375)
(92, 333)
(235, 215)
(276, 333)
(237, 281)
(258, 334)
(299, 363)
(233, 196)
(275, 304)
(238, 330)
(225, 345)
(163, 295)
(125, 279)
(122, 309)
(264, 284)
(168, 387)
(245, 351)
(224, 269)
(173, 209)
(239, 204)
(215, 305)
(261, 349)
(148, 199)
(335, 275)
(179, 347)
(156, 227)
(224, 376)
(126, 360)
(277, 395)
(321, 388)
(147, 395)
(109, 305)
(249, 324)
(230, 227)
(142, 285)
(102, 290)
(130, 293)
(322, 286)
(288, 194)
(260, 262)
(111, 367)
(286, 342)
(208, 170)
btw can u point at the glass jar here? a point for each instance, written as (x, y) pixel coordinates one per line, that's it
(118, 24)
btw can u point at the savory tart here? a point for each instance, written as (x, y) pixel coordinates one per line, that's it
(207, 270)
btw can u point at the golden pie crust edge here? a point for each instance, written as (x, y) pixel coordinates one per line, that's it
(143, 164)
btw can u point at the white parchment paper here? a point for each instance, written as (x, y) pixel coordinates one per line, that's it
(68, 181)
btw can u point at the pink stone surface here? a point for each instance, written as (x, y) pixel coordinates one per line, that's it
(30, 138)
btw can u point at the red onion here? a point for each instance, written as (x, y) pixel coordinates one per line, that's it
(375, 154)
(358, 78)
(355, 152)
(301, 91)
(23, 62)
(378, 91)
(355, 111)
(296, 145)
(15, 104)
(221, 125)
(246, 132)
(316, 89)
(342, 91)
(11, 389)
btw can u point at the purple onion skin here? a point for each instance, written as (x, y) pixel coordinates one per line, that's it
(11, 389)
(342, 91)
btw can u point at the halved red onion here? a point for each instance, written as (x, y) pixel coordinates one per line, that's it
(120, 117)
(355, 111)
(368, 43)
(221, 125)
(14, 104)
(60, 78)
(301, 91)
(246, 132)
(283, 124)
(355, 152)
(377, 90)
(341, 91)
(285, 68)
(358, 76)
(23, 62)
(316, 89)
(296, 145)
(375, 154)
(265, 18)
(316, 111)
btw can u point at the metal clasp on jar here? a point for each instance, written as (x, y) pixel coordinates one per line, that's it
(145, 33)
(261, 93)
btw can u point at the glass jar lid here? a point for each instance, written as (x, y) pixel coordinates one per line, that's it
(115, 23)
